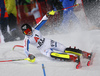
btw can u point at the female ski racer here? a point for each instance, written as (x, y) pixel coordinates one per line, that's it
(47, 46)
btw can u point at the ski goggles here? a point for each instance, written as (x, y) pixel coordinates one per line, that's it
(26, 31)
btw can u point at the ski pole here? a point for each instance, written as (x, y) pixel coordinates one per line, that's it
(18, 46)
(11, 60)
(33, 60)
(53, 12)
(69, 7)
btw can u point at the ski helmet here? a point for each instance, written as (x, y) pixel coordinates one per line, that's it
(26, 28)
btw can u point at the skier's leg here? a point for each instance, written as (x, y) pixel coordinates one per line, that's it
(51, 53)
(77, 52)
(60, 47)
(57, 46)
(73, 51)
(64, 56)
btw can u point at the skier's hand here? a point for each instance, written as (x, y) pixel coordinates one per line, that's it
(31, 56)
(51, 13)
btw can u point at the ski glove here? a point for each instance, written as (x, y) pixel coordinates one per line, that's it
(51, 13)
(31, 56)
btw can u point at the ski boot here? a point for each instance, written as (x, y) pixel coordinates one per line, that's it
(86, 55)
(73, 58)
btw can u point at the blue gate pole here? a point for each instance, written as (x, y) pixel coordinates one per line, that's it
(43, 69)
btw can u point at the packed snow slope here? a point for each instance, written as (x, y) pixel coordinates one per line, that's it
(84, 40)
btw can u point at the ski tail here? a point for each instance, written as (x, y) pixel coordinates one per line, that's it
(86, 61)
(90, 62)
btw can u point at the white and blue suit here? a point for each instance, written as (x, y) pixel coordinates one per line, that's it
(44, 45)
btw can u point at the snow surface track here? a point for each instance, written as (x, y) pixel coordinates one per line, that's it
(87, 40)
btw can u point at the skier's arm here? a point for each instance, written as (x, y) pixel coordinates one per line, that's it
(44, 19)
(35, 9)
(26, 47)
(41, 23)
(26, 50)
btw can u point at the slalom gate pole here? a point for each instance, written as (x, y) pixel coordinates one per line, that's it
(43, 69)
(18, 46)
